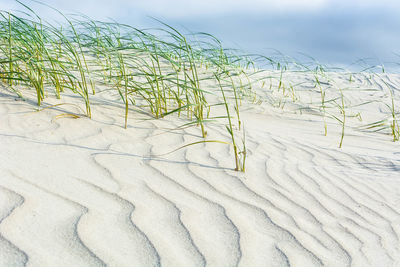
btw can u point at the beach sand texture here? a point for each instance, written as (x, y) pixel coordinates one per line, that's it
(87, 192)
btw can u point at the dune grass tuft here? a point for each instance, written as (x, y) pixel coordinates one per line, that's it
(170, 73)
(164, 68)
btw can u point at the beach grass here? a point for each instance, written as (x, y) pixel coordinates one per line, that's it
(168, 73)
(161, 67)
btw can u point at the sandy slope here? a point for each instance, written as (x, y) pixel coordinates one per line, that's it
(80, 192)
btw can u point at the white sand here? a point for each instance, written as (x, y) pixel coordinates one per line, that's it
(81, 192)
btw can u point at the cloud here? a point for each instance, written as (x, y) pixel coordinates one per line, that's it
(178, 9)
(187, 8)
(7, 5)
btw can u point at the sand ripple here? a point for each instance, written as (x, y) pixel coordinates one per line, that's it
(89, 193)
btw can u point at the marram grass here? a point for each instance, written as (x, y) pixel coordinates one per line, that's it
(162, 67)
(173, 73)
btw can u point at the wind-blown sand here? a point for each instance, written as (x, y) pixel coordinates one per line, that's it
(86, 192)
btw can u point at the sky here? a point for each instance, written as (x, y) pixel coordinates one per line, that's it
(337, 32)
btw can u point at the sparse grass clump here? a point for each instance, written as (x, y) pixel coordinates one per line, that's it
(167, 73)
(163, 68)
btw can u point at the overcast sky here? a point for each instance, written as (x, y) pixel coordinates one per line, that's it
(332, 31)
(200, 8)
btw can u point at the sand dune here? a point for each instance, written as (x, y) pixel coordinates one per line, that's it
(81, 192)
